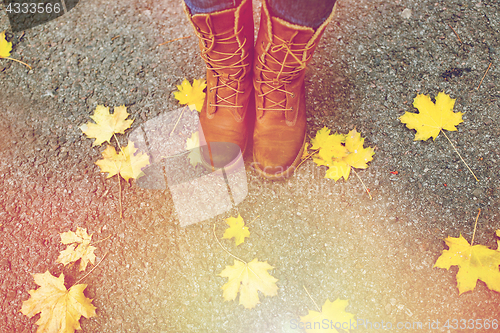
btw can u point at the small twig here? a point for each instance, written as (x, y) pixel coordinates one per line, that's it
(173, 40)
(64, 6)
(25, 64)
(446, 136)
(484, 76)
(104, 194)
(366, 188)
(112, 39)
(455, 33)
(307, 157)
(232, 255)
(83, 277)
(102, 240)
(176, 155)
(317, 307)
(177, 122)
(475, 225)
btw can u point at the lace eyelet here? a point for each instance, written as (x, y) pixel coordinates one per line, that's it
(291, 109)
(292, 95)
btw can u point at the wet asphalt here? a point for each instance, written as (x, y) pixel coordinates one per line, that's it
(158, 276)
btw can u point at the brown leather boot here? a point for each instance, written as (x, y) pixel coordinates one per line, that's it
(282, 53)
(226, 43)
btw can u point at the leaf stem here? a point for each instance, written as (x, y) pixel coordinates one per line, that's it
(102, 240)
(317, 307)
(118, 142)
(83, 277)
(179, 118)
(253, 220)
(19, 61)
(366, 189)
(232, 255)
(120, 195)
(307, 157)
(119, 180)
(475, 225)
(446, 136)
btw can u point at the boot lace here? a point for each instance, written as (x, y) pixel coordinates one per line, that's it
(216, 61)
(289, 68)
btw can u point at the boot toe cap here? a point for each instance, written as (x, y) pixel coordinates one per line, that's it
(276, 162)
(220, 154)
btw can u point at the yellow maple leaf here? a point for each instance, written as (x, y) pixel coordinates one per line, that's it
(354, 141)
(358, 156)
(106, 124)
(498, 241)
(80, 248)
(432, 118)
(191, 95)
(60, 309)
(331, 317)
(5, 46)
(340, 152)
(247, 279)
(319, 141)
(337, 170)
(329, 145)
(476, 262)
(236, 229)
(126, 162)
(193, 144)
(332, 148)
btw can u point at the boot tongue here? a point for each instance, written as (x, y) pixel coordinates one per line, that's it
(288, 38)
(285, 59)
(223, 50)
